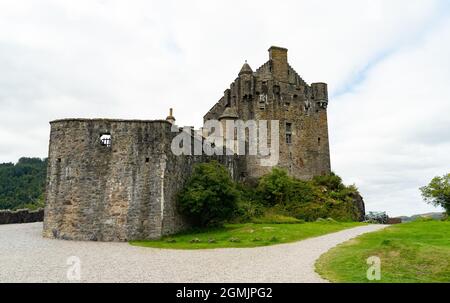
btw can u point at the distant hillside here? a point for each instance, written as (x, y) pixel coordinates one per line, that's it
(436, 216)
(22, 184)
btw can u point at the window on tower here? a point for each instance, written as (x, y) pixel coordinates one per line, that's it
(105, 140)
(288, 133)
(276, 89)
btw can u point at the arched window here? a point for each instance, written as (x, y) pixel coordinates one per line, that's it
(105, 140)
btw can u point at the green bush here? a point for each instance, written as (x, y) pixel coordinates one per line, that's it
(247, 210)
(332, 182)
(249, 205)
(275, 188)
(209, 197)
(322, 197)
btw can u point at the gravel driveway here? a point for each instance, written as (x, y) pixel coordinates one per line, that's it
(27, 257)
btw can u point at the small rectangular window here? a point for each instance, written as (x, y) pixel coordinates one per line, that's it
(264, 88)
(276, 89)
(288, 138)
(105, 140)
(288, 133)
(262, 101)
(288, 128)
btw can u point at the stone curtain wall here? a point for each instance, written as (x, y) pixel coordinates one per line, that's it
(106, 193)
(125, 191)
(21, 216)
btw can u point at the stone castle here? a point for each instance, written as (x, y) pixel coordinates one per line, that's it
(116, 180)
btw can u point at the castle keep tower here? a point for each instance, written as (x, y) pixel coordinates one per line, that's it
(276, 92)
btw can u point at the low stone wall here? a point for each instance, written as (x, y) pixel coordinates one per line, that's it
(21, 216)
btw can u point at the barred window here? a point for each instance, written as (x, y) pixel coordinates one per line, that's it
(105, 140)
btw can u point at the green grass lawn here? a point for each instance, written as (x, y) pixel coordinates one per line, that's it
(409, 252)
(246, 235)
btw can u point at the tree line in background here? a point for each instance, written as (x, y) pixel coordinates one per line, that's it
(22, 185)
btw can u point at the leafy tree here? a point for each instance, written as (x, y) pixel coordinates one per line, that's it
(437, 192)
(209, 197)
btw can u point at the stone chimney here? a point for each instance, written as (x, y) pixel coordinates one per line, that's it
(278, 57)
(170, 117)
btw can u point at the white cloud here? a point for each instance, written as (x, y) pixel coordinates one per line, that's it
(385, 63)
(391, 134)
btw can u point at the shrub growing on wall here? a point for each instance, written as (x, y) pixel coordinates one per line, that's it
(209, 197)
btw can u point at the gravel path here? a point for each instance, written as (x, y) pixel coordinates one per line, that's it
(27, 257)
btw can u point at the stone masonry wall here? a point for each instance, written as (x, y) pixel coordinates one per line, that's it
(121, 192)
(96, 192)
(21, 216)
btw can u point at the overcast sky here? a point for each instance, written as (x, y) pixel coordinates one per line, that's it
(387, 65)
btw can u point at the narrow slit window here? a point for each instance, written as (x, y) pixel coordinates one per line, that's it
(288, 133)
(276, 90)
(105, 140)
(288, 138)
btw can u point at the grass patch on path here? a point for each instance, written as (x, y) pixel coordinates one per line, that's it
(246, 235)
(409, 252)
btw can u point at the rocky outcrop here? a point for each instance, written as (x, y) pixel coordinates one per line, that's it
(359, 203)
(21, 216)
